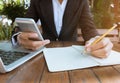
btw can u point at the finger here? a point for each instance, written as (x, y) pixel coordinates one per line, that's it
(28, 35)
(104, 52)
(37, 44)
(31, 44)
(21, 40)
(34, 45)
(103, 43)
(100, 53)
(88, 43)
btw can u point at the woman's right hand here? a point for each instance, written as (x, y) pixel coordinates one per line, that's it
(30, 40)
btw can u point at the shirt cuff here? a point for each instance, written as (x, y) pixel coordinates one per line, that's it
(14, 39)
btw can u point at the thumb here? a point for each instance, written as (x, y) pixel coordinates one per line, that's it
(89, 42)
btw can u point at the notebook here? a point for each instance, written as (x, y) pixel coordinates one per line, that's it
(12, 57)
(72, 57)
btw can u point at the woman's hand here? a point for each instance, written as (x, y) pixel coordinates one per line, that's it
(29, 40)
(101, 50)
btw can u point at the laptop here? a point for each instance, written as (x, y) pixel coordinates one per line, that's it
(12, 57)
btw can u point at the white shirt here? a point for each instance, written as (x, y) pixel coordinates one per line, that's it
(58, 10)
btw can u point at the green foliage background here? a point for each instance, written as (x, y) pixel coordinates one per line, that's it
(5, 32)
(13, 9)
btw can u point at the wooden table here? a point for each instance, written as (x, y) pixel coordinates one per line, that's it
(36, 71)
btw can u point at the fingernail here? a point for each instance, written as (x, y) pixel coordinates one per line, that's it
(46, 41)
(36, 35)
(88, 50)
(86, 45)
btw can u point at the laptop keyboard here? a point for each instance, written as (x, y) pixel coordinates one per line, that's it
(9, 56)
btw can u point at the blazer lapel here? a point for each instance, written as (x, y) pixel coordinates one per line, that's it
(47, 12)
(69, 13)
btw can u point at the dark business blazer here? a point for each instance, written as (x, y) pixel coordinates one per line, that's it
(76, 13)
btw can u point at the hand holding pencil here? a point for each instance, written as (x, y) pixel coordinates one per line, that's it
(100, 46)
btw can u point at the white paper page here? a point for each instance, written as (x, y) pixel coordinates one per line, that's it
(112, 59)
(66, 58)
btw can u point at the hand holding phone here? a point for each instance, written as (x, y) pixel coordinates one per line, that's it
(28, 25)
(30, 34)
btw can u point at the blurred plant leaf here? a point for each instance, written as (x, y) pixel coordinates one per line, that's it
(13, 9)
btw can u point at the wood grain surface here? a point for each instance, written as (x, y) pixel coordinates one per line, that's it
(36, 71)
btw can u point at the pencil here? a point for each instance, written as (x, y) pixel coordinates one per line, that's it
(102, 36)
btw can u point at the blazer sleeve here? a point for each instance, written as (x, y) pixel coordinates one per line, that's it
(32, 10)
(87, 25)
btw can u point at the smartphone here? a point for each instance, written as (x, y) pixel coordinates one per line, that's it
(28, 25)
